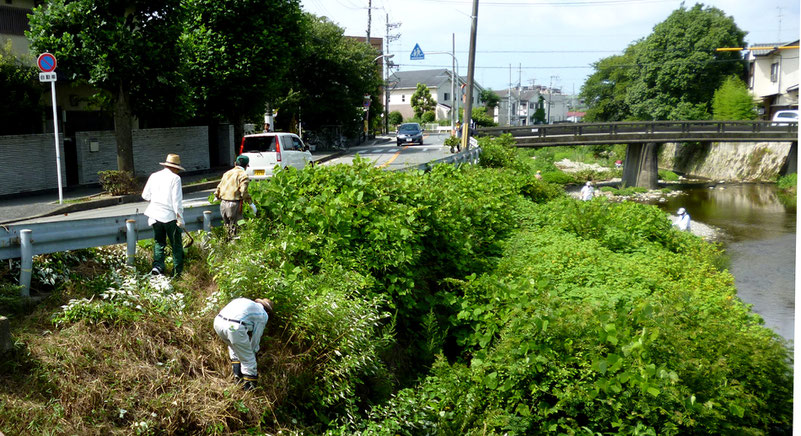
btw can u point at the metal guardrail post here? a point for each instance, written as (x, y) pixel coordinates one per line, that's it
(207, 221)
(130, 233)
(26, 261)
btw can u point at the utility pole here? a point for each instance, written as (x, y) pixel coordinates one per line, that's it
(471, 66)
(509, 98)
(454, 79)
(369, 18)
(387, 65)
(550, 94)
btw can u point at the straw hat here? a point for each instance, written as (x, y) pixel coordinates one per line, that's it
(173, 161)
(268, 305)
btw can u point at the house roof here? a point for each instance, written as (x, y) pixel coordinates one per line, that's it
(769, 47)
(430, 78)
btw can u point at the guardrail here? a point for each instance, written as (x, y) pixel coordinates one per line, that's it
(24, 241)
(27, 240)
(467, 156)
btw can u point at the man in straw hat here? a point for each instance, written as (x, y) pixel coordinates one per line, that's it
(233, 191)
(240, 325)
(165, 214)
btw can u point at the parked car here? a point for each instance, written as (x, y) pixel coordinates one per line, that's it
(410, 133)
(782, 118)
(266, 150)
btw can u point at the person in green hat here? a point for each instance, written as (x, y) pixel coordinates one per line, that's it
(233, 193)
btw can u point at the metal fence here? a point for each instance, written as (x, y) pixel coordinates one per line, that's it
(23, 241)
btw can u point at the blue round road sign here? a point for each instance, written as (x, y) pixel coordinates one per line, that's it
(46, 62)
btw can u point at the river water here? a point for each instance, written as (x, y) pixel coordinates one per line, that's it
(759, 236)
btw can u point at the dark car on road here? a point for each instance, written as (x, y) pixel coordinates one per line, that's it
(410, 133)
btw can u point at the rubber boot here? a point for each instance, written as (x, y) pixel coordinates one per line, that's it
(237, 369)
(250, 382)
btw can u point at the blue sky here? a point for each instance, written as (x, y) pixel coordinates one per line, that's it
(544, 41)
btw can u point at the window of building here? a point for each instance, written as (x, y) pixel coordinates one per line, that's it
(774, 72)
(446, 97)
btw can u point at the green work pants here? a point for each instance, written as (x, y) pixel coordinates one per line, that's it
(162, 231)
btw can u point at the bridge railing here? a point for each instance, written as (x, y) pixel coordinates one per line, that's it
(645, 128)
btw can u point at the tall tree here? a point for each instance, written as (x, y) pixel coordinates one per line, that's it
(332, 75)
(605, 90)
(733, 101)
(490, 99)
(538, 117)
(678, 69)
(422, 101)
(239, 55)
(20, 112)
(127, 49)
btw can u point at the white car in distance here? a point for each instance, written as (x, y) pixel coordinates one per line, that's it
(266, 150)
(785, 117)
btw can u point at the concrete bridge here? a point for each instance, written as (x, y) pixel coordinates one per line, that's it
(643, 137)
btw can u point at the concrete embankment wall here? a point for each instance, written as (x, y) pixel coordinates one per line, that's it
(741, 161)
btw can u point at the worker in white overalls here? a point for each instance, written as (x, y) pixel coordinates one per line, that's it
(240, 325)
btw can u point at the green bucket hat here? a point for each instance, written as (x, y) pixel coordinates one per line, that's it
(243, 160)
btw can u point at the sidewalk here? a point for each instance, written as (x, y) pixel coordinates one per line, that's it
(33, 205)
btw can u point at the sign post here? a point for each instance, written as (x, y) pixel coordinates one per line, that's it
(47, 63)
(417, 54)
(367, 120)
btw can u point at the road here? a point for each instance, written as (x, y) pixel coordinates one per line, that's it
(394, 157)
(388, 155)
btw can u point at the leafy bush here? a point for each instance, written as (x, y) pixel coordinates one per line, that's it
(429, 117)
(622, 343)
(501, 153)
(788, 182)
(452, 141)
(558, 177)
(668, 175)
(395, 118)
(118, 182)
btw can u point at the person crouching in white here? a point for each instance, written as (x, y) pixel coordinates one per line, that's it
(587, 191)
(240, 325)
(683, 223)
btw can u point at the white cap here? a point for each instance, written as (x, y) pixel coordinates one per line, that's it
(589, 183)
(681, 211)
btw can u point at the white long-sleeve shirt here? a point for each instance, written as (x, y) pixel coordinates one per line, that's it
(164, 192)
(683, 223)
(250, 314)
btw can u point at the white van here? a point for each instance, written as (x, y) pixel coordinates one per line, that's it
(266, 150)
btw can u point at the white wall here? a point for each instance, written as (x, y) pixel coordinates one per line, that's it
(788, 73)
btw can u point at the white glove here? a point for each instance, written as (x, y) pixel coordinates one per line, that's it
(253, 208)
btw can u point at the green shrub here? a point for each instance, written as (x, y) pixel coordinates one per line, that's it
(395, 118)
(118, 182)
(668, 175)
(452, 141)
(788, 182)
(559, 177)
(429, 117)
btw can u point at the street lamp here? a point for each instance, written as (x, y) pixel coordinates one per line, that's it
(386, 96)
(454, 85)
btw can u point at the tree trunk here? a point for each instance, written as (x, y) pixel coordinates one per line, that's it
(123, 117)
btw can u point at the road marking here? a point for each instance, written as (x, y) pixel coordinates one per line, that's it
(395, 156)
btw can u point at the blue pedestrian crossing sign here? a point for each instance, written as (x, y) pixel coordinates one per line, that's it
(417, 53)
